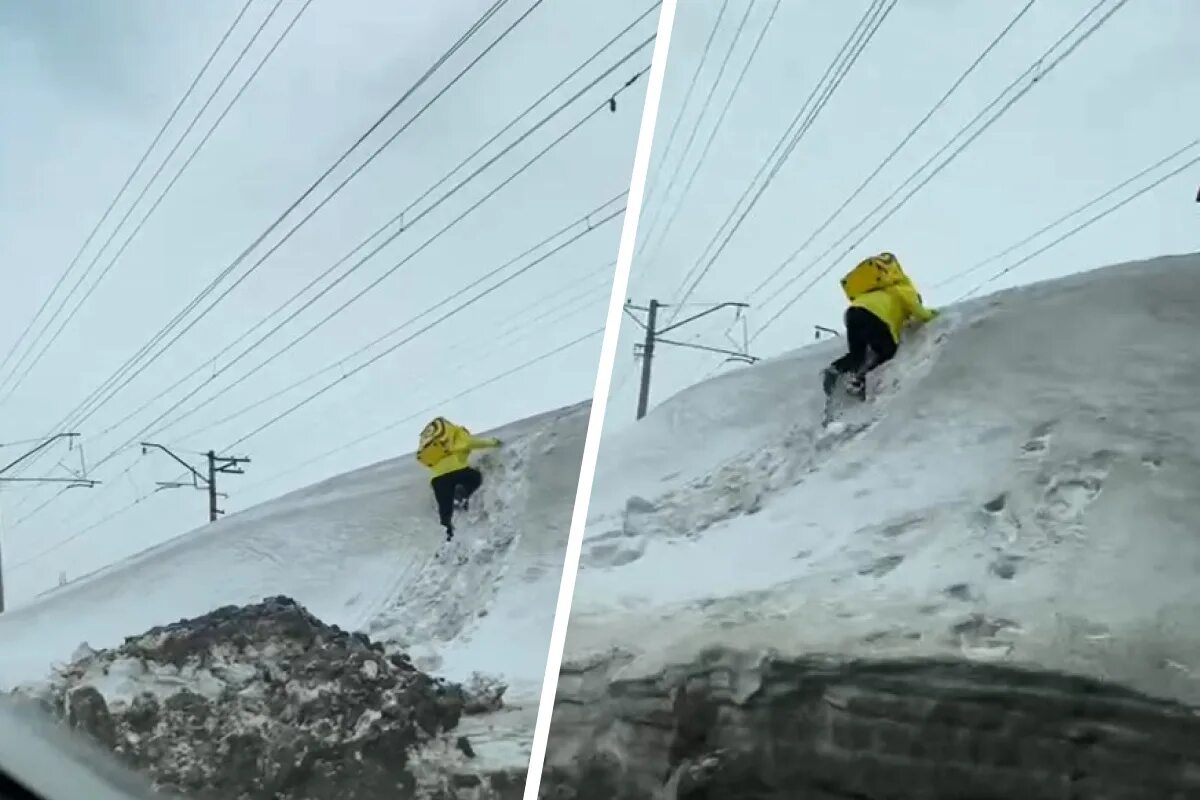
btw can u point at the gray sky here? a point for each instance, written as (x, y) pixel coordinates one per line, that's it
(94, 81)
(1126, 98)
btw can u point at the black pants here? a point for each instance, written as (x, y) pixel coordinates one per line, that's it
(457, 485)
(869, 341)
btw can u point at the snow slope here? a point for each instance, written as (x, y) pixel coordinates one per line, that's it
(360, 552)
(1023, 488)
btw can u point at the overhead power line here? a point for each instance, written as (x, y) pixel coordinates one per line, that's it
(937, 106)
(553, 309)
(548, 305)
(199, 298)
(1033, 75)
(19, 378)
(371, 286)
(853, 47)
(128, 181)
(648, 258)
(375, 359)
(1074, 213)
(383, 244)
(338, 364)
(245, 275)
(1088, 222)
(653, 183)
(432, 407)
(404, 218)
(212, 285)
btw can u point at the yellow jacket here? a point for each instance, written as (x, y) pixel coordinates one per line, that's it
(459, 444)
(895, 305)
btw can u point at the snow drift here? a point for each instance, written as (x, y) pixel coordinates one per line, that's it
(362, 551)
(1020, 492)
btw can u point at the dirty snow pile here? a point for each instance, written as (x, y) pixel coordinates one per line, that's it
(266, 701)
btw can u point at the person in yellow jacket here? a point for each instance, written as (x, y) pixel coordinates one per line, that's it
(445, 449)
(882, 301)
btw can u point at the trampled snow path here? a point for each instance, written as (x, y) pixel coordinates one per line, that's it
(1024, 487)
(359, 552)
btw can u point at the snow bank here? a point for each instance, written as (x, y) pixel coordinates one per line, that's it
(1020, 491)
(1023, 487)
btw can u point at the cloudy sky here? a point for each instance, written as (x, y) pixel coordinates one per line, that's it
(95, 80)
(1127, 97)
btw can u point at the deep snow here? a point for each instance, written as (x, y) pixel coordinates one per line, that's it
(361, 551)
(1021, 488)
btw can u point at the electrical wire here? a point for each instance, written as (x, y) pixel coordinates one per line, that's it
(83, 531)
(712, 134)
(627, 373)
(55, 497)
(375, 359)
(687, 97)
(338, 364)
(504, 340)
(1083, 225)
(116, 376)
(371, 286)
(245, 275)
(400, 217)
(128, 181)
(1049, 226)
(853, 47)
(550, 308)
(1036, 72)
(137, 229)
(389, 272)
(900, 146)
(439, 404)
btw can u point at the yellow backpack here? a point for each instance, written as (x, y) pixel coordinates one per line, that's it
(872, 274)
(434, 444)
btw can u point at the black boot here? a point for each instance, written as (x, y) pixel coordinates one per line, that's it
(449, 532)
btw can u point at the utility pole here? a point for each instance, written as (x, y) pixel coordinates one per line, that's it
(225, 465)
(72, 482)
(655, 336)
(647, 358)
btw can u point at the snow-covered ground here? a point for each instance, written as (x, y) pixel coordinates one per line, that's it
(1024, 487)
(361, 551)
